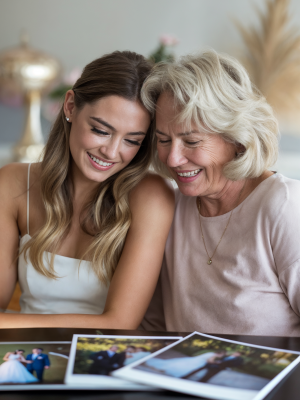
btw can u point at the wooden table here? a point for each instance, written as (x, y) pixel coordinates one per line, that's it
(289, 388)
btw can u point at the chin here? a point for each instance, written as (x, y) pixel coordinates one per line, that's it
(187, 190)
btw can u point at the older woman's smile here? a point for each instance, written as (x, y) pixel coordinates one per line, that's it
(188, 175)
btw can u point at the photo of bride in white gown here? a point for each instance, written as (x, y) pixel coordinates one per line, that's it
(181, 366)
(13, 371)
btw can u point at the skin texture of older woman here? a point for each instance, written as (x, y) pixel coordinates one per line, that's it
(232, 258)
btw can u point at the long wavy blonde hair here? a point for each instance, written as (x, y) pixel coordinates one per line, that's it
(107, 216)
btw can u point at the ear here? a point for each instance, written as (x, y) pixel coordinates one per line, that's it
(69, 105)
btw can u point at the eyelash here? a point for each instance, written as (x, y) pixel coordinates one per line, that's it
(136, 143)
(101, 132)
(163, 141)
(189, 143)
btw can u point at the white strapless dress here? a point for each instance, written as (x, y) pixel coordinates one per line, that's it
(179, 367)
(12, 371)
(78, 290)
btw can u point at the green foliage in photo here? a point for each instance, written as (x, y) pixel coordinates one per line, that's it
(87, 346)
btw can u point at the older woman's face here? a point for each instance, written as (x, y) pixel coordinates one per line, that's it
(194, 158)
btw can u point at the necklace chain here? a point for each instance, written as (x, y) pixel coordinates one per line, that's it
(209, 261)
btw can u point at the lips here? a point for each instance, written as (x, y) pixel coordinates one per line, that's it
(188, 176)
(99, 164)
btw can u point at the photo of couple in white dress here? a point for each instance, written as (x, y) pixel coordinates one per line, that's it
(200, 368)
(33, 363)
(21, 368)
(218, 362)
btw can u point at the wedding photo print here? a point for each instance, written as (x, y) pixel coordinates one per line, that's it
(33, 363)
(101, 356)
(93, 357)
(203, 359)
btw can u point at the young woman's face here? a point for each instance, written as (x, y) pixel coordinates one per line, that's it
(194, 158)
(106, 135)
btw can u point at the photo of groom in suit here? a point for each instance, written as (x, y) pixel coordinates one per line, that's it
(106, 361)
(40, 362)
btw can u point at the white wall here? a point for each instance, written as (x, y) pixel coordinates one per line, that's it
(78, 31)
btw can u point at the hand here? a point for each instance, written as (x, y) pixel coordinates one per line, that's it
(46, 367)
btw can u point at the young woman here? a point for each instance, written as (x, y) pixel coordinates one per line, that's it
(92, 221)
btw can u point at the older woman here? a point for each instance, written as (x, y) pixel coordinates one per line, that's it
(232, 258)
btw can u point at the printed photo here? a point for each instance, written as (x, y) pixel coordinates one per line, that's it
(212, 367)
(217, 362)
(33, 363)
(93, 359)
(101, 356)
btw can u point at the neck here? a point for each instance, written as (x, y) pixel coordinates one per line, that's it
(230, 196)
(82, 188)
(223, 201)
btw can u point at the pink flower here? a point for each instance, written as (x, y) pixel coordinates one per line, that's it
(72, 76)
(168, 40)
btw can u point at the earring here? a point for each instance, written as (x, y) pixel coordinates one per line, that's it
(68, 119)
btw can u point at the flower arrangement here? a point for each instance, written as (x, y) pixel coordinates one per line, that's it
(163, 52)
(67, 84)
(51, 106)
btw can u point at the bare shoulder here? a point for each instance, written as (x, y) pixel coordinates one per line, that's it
(13, 182)
(155, 190)
(13, 177)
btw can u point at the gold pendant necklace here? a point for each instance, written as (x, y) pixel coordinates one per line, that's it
(209, 261)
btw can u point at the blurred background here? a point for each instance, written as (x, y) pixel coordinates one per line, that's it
(52, 40)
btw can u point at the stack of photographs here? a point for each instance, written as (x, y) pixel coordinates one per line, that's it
(199, 364)
(85, 363)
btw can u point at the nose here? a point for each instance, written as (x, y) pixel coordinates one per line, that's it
(110, 149)
(176, 156)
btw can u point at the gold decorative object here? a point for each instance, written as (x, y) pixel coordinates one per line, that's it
(272, 59)
(28, 72)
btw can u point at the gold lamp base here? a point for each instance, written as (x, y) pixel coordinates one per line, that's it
(30, 73)
(31, 145)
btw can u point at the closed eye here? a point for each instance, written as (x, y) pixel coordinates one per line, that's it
(163, 141)
(99, 131)
(191, 143)
(136, 143)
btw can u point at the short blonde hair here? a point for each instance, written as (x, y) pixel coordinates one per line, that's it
(214, 91)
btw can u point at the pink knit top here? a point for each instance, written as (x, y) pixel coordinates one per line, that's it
(253, 284)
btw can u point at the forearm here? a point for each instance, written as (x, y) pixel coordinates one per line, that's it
(105, 321)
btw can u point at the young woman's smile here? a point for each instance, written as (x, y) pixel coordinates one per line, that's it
(100, 163)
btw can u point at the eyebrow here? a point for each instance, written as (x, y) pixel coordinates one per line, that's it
(178, 134)
(101, 121)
